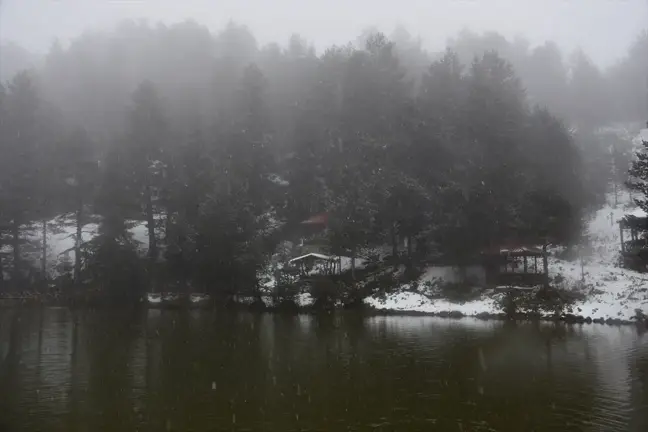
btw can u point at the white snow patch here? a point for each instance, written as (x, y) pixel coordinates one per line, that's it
(197, 298)
(154, 298)
(643, 136)
(278, 180)
(415, 302)
(639, 213)
(304, 299)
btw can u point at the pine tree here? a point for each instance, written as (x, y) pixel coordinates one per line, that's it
(112, 255)
(638, 174)
(146, 138)
(78, 172)
(18, 183)
(4, 217)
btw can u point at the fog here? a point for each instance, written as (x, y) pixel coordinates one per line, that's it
(446, 128)
(603, 28)
(320, 154)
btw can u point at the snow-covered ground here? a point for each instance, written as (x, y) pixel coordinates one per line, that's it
(414, 302)
(612, 292)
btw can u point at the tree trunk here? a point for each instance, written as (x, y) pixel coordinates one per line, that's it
(394, 241)
(545, 265)
(526, 266)
(44, 251)
(1, 268)
(353, 264)
(150, 223)
(77, 245)
(168, 227)
(15, 245)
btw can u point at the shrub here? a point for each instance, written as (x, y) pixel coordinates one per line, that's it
(553, 300)
(325, 292)
(458, 291)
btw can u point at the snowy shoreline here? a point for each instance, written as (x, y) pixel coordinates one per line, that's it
(475, 310)
(612, 293)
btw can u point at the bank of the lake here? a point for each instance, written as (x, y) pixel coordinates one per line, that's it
(604, 291)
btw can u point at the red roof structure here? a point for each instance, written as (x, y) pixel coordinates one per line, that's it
(318, 219)
(515, 250)
(517, 247)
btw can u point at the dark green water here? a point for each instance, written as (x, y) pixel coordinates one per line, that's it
(201, 371)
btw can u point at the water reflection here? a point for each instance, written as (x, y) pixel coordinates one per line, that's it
(169, 370)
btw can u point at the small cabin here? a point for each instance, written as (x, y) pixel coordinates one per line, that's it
(523, 266)
(316, 264)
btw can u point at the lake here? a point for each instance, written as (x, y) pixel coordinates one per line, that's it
(153, 370)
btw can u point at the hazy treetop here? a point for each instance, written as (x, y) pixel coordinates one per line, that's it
(603, 28)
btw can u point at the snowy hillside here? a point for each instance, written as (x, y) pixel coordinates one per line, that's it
(612, 292)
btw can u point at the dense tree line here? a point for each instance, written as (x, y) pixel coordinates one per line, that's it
(216, 145)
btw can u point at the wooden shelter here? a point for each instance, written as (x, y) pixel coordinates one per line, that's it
(637, 224)
(318, 220)
(634, 248)
(316, 263)
(516, 266)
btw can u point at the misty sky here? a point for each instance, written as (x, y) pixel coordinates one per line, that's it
(603, 27)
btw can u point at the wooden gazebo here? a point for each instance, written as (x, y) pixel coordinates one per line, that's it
(634, 250)
(637, 223)
(316, 262)
(516, 266)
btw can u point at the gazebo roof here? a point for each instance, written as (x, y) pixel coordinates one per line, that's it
(637, 213)
(311, 255)
(637, 218)
(318, 219)
(515, 250)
